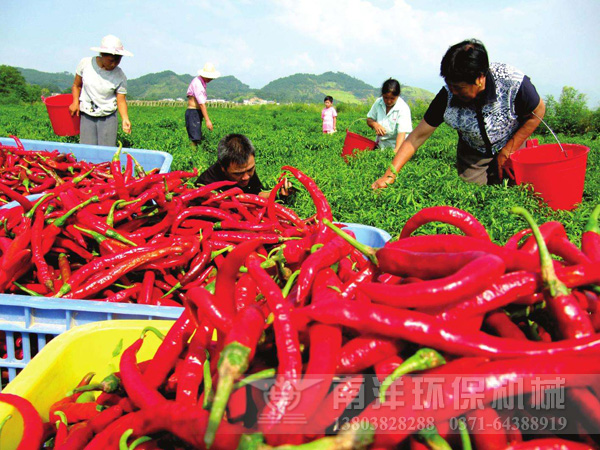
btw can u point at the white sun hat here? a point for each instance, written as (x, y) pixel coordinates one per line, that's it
(209, 71)
(112, 45)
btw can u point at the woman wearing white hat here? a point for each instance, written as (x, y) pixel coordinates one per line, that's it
(99, 90)
(196, 109)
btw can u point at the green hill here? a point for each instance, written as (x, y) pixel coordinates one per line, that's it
(309, 88)
(54, 82)
(298, 88)
(167, 84)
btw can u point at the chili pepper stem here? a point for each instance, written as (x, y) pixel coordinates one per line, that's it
(138, 442)
(267, 373)
(355, 436)
(27, 291)
(555, 286)
(592, 223)
(232, 364)
(62, 418)
(207, 376)
(464, 435)
(123, 440)
(432, 439)
(424, 358)
(290, 283)
(366, 250)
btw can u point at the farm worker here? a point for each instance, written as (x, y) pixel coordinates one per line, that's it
(493, 107)
(236, 162)
(99, 90)
(329, 116)
(390, 116)
(196, 109)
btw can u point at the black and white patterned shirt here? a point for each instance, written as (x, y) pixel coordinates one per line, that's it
(489, 122)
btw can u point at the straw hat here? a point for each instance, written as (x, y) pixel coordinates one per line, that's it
(209, 71)
(112, 45)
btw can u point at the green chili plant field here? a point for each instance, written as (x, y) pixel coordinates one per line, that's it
(291, 135)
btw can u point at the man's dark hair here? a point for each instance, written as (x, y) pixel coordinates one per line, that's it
(329, 97)
(465, 62)
(234, 148)
(391, 86)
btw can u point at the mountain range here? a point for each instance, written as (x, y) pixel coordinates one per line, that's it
(297, 88)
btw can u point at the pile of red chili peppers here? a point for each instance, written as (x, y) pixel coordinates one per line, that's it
(25, 172)
(304, 322)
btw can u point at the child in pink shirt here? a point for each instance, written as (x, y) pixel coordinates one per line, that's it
(329, 115)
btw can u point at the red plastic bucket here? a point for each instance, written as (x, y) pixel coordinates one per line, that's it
(557, 178)
(355, 141)
(63, 123)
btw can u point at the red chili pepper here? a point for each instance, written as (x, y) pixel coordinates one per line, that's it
(228, 273)
(64, 267)
(238, 352)
(555, 237)
(590, 239)
(325, 344)
(61, 429)
(15, 196)
(147, 287)
(572, 320)
(108, 277)
(44, 275)
(344, 392)
(423, 265)
(204, 191)
(168, 352)
(506, 290)
(140, 394)
(450, 243)
(77, 412)
(350, 289)
(288, 346)
(386, 367)
(364, 351)
(246, 291)
(201, 305)
(329, 254)
(192, 369)
(485, 432)
(33, 429)
(284, 212)
(500, 323)
(548, 444)
(494, 378)
(429, 331)
(464, 221)
(185, 422)
(468, 281)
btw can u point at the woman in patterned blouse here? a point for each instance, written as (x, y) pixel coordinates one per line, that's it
(493, 107)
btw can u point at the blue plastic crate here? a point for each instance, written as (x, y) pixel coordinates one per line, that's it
(36, 320)
(149, 159)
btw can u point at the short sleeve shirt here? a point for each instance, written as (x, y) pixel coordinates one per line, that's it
(327, 115)
(509, 97)
(197, 89)
(396, 121)
(100, 88)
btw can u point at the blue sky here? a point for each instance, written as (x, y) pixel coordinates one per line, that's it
(555, 42)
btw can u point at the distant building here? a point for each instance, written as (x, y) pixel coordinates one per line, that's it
(258, 101)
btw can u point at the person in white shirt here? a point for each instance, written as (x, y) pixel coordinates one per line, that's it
(99, 90)
(390, 116)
